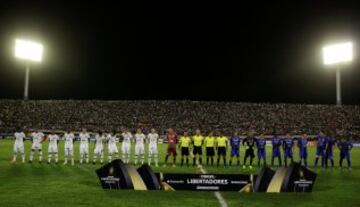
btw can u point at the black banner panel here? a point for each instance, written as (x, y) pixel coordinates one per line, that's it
(205, 182)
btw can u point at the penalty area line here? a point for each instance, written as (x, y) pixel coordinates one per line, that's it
(217, 194)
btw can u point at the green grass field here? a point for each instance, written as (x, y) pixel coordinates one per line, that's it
(56, 185)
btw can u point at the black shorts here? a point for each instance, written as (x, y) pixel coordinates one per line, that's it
(210, 151)
(184, 151)
(221, 151)
(249, 152)
(197, 150)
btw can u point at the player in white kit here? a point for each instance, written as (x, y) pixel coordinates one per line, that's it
(19, 145)
(84, 146)
(37, 139)
(69, 147)
(139, 146)
(99, 147)
(126, 145)
(152, 138)
(53, 148)
(112, 148)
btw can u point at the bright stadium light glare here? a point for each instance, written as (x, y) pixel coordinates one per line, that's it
(338, 53)
(28, 50)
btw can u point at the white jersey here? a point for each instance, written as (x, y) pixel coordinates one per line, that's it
(140, 139)
(69, 139)
(84, 138)
(53, 139)
(37, 137)
(127, 138)
(99, 140)
(153, 138)
(111, 139)
(19, 137)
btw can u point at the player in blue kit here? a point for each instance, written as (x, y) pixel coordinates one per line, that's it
(235, 142)
(288, 143)
(302, 145)
(322, 140)
(261, 153)
(330, 151)
(345, 147)
(276, 144)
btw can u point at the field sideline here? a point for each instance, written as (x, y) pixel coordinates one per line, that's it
(58, 185)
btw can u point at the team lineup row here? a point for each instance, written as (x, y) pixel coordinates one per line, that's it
(189, 146)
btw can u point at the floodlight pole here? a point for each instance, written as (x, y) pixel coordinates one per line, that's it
(26, 86)
(338, 86)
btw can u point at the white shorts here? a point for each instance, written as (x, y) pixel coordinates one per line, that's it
(52, 148)
(84, 149)
(98, 149)
(112, 149)
(139, 149)
(153, 149)
(19, 147)
(125, 148)
(36, 146)
(69, 150)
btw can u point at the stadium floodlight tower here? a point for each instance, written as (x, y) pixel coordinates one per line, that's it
(337, 55)
(28, 51)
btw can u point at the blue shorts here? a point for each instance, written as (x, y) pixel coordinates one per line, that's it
(288, 152)
(345, 154)
(303, 153)
(276, 152)
(320, 151)
(235, 152)
(261, 153)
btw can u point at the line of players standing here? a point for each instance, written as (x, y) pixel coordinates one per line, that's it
(324, 149)
(100, 140)
(214, 144)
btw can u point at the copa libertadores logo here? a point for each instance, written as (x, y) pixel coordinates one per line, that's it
(118, 175)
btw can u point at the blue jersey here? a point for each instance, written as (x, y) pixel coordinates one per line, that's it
(345, 146)
(321, 141)
(235, 142)
(288, 143)
(330, 146)
(276, 143)
(260, 143)
(302, 144)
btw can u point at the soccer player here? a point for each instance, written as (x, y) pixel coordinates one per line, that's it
(19, 145)
(171, 137)
(302, 144)
(209, 143)
(235, 143)
(126, 145)
(153, 147)
(288, 143)
(84, 146)
(197, 151)
(184, 145)
(139, 146)
(276, 143)
(99, 148)
(69, 147)
(330, 151)
(37, 139)
(112, 148)
(221, 146)
(250, 143)
(261, 149)
(345, 147)
(322, 140)
(53, 148)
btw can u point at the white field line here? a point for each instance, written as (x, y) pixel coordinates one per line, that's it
(217, 194)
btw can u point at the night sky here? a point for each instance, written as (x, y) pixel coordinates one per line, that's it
(257, 53)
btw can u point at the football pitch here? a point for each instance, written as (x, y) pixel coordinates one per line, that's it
(57, 185)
